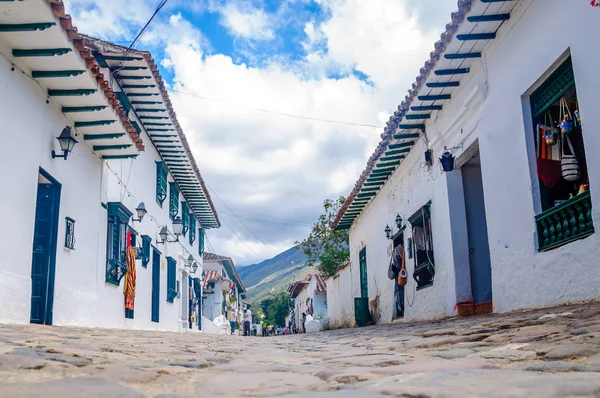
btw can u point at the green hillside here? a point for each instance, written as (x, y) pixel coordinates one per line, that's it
(274, 274)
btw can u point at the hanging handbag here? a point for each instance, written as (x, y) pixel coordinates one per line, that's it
(403, 275)
(391, 273)
(569, 163)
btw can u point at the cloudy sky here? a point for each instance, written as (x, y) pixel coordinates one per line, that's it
(234, 66)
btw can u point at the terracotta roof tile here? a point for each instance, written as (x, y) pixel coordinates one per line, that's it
(321, 286)
(464, 6)
(211, 276)
(66, 23)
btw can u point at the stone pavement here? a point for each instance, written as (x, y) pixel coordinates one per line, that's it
(543, 353)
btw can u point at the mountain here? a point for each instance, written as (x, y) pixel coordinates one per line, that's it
(274, 274)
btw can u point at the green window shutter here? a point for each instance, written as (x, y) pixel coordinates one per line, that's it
(185, 217)
(146, 241)
(553, 88)
(192, 229)
(200, 241)
(116, 244)
(171, 279)
(161, 183)
(173, 200)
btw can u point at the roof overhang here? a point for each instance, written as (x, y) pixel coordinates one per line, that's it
(41, 40)
(143, 92)
(473, 27)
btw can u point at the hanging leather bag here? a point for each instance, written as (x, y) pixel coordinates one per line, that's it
(569, 163)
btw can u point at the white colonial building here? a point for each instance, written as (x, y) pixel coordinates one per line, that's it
(340, 301)
(467, 177)
(223, 289)
(112, 233)
(309, 297)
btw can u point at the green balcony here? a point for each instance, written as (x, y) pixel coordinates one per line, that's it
(565, 223)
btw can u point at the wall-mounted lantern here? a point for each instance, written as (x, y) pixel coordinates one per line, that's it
(177, 227)
(141, 212)
(399, 222)
(194, 267)
(189, 261)
(66, 142)
(447, 161)
(388, 232)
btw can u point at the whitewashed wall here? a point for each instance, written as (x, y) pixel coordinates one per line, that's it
(29, 130)
(340, 302)
(492, 107)
(131, 181)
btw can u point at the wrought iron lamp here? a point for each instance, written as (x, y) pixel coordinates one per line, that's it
(66, 142)
(194, 267)
(141, 212)
(447, 161)
(388, 232)
(189, 261)
(398, 221)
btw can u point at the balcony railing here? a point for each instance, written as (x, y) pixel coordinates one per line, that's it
(565, 223)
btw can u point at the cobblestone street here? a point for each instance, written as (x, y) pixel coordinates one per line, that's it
(543, 353)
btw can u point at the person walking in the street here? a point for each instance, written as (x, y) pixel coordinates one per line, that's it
(233, 320)
(247, 321)
(263, 326)
(304, 322)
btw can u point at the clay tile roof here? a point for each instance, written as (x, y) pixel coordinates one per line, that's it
(464, 6)
(211, 276)
(229, 267)
(66, 23)
(321, 286)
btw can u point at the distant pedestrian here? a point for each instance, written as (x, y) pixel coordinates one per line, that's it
(304, 322)
(247, 321)
(232, 320)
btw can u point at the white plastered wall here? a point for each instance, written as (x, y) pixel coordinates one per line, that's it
(340, 302)
(491, 110)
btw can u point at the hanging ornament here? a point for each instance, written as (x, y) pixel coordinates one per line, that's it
(578, 116)
(566, 124)
(548, 131)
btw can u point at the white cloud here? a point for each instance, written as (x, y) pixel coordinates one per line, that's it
(260, 163)
(246, 21)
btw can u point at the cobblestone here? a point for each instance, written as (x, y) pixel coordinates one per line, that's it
(524, 354)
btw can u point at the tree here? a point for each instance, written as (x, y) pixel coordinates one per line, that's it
(275, 308)
(327, 249)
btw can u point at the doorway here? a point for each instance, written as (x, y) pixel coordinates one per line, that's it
(477, 234)
(43, 263)
(155, 285)
(398, 290)
(364, 281)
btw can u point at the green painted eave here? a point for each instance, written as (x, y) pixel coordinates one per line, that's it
(40, 52)
(402, 145)
(93, 123)
(119, 156)
(91, 137)
(44, 74)
(26, 27)
(74, 109)
(406, 136)
(110, 147)
(71, 93)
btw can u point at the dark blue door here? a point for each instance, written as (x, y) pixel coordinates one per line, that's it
(155, 285)
(479, 249)
(44, 252)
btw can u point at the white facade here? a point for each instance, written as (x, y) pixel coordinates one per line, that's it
(310, 300)
(100, 170)
(216, 299)
(490, 113)
(340, 301)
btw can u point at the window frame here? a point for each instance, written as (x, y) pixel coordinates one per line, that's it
(116, 242)
(171, 279)
(192, 236)
(146, 248)
(173, 200)
(422, 218)
(161, 183)
(201, 235)
(185, 217)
